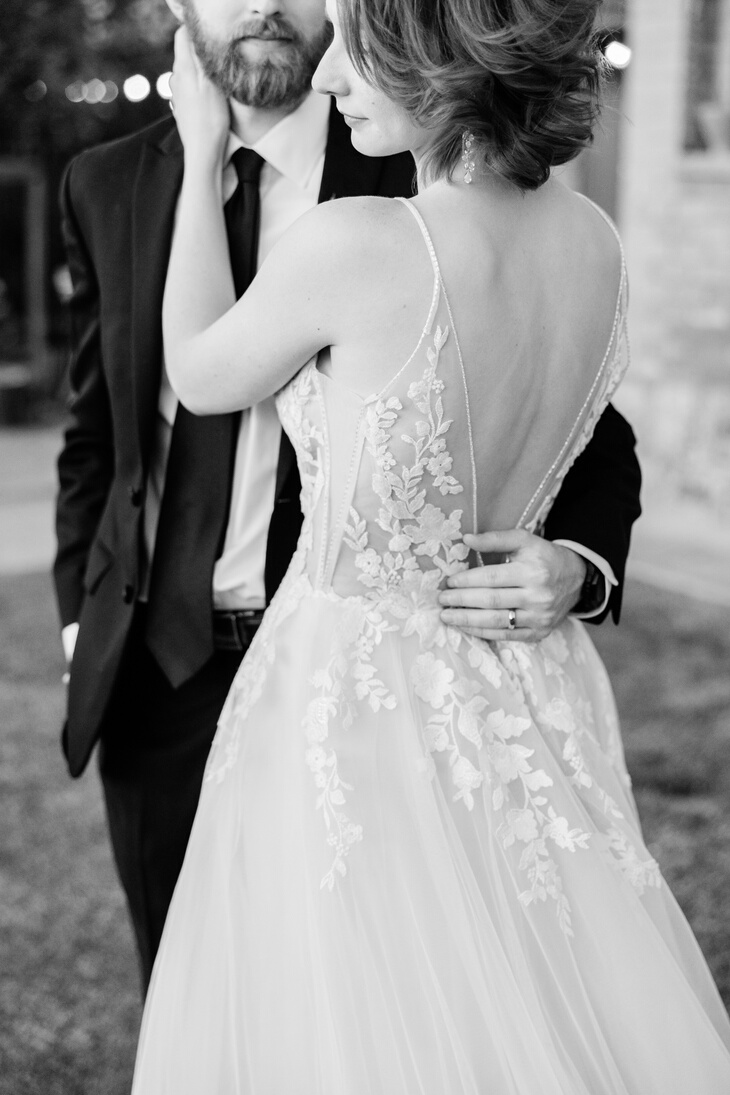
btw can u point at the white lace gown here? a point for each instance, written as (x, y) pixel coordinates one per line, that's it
(417, 867)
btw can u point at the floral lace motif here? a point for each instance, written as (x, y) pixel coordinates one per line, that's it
(489, 709)
(415, 527)
(250, 678)
(397, 585)
(291, 404)
(249, 681)
(348, 678)
(503, 764)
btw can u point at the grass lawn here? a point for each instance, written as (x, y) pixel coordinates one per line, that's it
(69, 995)
(69, 1003)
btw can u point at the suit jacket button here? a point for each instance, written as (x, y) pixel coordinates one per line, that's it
(128, 594)
(135, 496)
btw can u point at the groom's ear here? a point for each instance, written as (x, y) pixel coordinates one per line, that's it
(177, 9)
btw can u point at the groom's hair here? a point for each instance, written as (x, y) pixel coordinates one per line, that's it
(522, 76)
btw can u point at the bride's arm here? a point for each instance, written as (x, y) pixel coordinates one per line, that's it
(222, 355)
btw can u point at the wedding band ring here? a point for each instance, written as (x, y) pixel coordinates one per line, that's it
(512, 619)
(171, 105)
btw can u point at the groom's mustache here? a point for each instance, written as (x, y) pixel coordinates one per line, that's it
(267, 28)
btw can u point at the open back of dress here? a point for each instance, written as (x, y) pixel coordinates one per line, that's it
(393, 481)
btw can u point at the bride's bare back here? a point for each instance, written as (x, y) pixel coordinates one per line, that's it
(535, 285)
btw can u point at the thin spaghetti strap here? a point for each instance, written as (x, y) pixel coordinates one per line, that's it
(424, 232)
(609, 222)
(437, 274)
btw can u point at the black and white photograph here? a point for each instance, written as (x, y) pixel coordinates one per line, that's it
(364, 547)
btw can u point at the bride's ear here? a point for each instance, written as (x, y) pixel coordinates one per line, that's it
(176, 8)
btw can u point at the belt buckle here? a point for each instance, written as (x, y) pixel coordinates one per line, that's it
(240, 628)
(230, 638)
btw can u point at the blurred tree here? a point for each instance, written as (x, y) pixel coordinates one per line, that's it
(63, 64)
(46, 46)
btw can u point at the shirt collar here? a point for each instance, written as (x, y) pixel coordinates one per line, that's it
(296, 144)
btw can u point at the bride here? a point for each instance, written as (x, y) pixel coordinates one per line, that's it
(417, 867)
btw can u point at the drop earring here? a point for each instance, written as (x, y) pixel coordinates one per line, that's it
(467, 155)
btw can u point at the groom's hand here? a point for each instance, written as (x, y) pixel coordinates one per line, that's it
(535, 589)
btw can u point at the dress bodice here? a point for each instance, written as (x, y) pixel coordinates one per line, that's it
(391, 482)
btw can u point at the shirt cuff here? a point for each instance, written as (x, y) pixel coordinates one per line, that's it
(68, 638)
(610, 579)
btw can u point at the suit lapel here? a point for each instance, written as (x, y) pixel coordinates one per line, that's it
(154, 202)
(346, 173)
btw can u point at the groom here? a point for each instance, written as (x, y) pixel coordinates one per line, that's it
(174, 532)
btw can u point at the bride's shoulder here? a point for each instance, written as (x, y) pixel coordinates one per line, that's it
(592, 227)
(349, 234)
(353, 222)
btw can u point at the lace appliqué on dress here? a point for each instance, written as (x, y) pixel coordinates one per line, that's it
(249, 681)
(348, 678)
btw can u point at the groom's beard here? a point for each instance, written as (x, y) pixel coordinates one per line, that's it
(280, 80)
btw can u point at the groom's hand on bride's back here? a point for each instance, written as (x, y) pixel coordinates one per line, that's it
(522, 599)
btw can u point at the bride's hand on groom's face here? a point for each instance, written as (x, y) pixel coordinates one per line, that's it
(533, 592)
(201, 110)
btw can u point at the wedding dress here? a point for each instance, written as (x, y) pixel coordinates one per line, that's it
(417, 867)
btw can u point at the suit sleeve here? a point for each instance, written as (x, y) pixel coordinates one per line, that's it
(86, 462)
(599, 500)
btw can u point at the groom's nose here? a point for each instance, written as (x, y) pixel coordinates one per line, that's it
(265, 7)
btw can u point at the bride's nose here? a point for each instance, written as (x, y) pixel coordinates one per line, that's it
(330, 75)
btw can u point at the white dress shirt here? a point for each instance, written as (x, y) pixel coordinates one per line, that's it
(609, 578)
(293, 151)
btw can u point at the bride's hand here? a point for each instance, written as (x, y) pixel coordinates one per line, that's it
(201, 110)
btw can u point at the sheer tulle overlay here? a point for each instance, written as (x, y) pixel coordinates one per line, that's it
(417, 867)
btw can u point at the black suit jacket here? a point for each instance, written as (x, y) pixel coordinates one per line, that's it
(118, 203)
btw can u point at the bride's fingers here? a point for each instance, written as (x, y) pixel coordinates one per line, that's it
(186, 65)
(201, 110)
(181, 49)
(184, 52)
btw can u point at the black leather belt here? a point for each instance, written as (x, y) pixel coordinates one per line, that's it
(234, 630)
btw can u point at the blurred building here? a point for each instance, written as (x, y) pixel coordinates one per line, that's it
(660, 165)
(674, 210)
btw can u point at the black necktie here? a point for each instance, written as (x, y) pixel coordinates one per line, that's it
(196, 497)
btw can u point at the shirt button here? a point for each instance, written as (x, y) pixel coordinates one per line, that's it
(135, 496)
(128, 594)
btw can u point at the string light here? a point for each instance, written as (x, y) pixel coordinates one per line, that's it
(76, 91)
(617, 54)
(95, 91)
(136, 88)
(163, 85)
(35, 91)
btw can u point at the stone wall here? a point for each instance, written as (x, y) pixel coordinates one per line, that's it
(674, 214)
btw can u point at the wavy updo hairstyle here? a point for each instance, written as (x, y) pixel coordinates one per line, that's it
(521, 75)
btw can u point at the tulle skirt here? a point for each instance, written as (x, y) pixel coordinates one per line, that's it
(417, 869)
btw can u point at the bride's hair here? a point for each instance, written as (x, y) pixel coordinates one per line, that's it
(521, 75)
